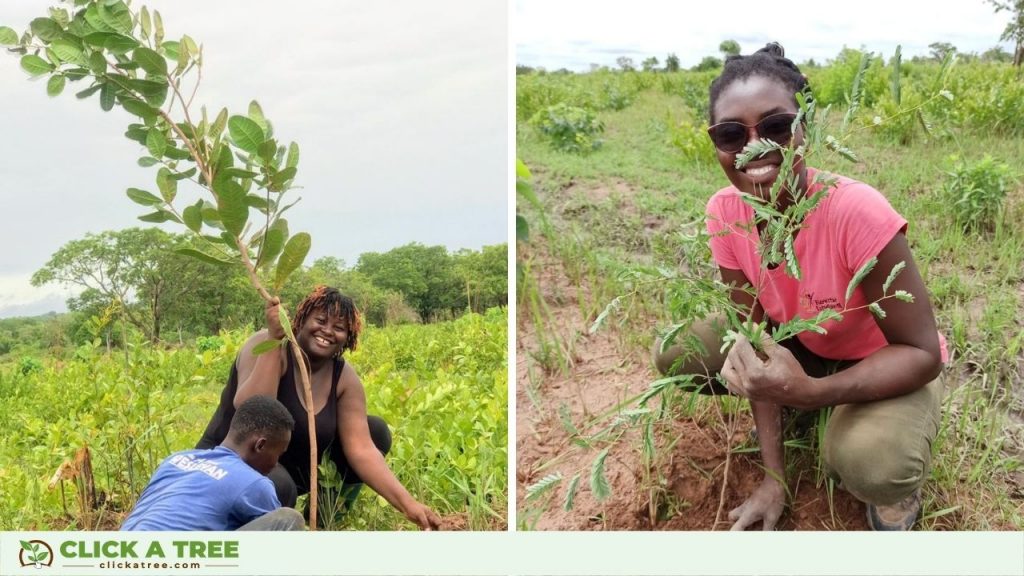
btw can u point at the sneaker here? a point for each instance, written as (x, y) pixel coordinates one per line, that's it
(898, 517)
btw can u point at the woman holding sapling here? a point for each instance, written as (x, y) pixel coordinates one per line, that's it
(881, 373)
(326, 324)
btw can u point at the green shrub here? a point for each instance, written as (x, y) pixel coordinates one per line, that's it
(29, 365)
(568, 128)
(975, 191)
(690, 139)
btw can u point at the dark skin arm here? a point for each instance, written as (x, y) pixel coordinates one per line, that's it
(364, 457)
(261, 374)
(910, 360)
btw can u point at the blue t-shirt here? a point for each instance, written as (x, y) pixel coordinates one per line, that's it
(203, 490)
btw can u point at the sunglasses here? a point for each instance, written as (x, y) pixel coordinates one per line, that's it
(731, 137)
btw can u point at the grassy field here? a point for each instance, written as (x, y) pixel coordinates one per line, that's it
(441, 387)
(621, 223)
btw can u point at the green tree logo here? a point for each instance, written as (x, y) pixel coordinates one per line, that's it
(35, 553)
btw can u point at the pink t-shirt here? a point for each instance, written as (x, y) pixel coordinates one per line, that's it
(849, 227)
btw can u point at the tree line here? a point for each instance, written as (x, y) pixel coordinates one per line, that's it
(137, 280)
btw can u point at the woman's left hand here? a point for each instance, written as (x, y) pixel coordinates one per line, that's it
(778, 378)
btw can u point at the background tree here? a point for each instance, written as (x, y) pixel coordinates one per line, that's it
(484, 275)
(650, 64)
(625, 63)
(729, 48)
(939, 50)
(672, 63)
(114, 266)
(708, 63)
(1014, 31)
(996, 54)
(423, 274)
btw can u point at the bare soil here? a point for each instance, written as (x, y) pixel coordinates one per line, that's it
(604, 372)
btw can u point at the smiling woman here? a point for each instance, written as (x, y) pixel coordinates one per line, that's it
(327, 324)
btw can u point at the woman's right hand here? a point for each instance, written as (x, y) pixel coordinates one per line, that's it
(274, 328)
(765, 504)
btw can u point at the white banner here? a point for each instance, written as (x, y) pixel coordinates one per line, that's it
(520, 553)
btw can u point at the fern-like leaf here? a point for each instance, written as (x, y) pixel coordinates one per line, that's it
(542, 486)
(859, 276)
(892, 276)
(570, 494)
(877, 310)
(792, 264)
(754, 150)
(598, 483)
(611, 307)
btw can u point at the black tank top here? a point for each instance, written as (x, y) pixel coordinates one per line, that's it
(296, 458)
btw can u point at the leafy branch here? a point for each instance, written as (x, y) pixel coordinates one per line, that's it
(130, 64)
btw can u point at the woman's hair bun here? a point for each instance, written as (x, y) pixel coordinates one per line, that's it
(774, 48)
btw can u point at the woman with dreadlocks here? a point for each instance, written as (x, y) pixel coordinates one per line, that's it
(881, 376)
(326, 324)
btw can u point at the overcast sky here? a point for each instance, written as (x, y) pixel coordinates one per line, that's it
(574, 34)
(400, 110)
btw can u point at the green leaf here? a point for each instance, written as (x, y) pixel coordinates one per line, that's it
(8, 37)
(150, 61)
(522, 171)
(55, 85)
(859, 276)
(97, 63)
(231, 204)
(148, 161)
(835, 145)
(172, 49)
(107, 97)
(139, 108)
(193, 217)
(246, 134)
(570, 493)
(117, 17)
(904, 296)
(877, 310)
(522, 229)
(193, 253)
(154, 92)
(26, 545)
(68, 51)
(156, 142)
(118, 44)
(542, 486)
(219, 124)
(46, 29)
(292, 257)
(598, 483)
(256, 115)
(144, 198)
(35, 65)
(89, 91)
(273, 242)
(267, 346)
(282, 178)
(158, 25)
(159, 216)
(167, 184)
(146, 22)
(892, 275)
(293, 155)
(41, 556)
(894, 79)
(286, 322)
(792, 264)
